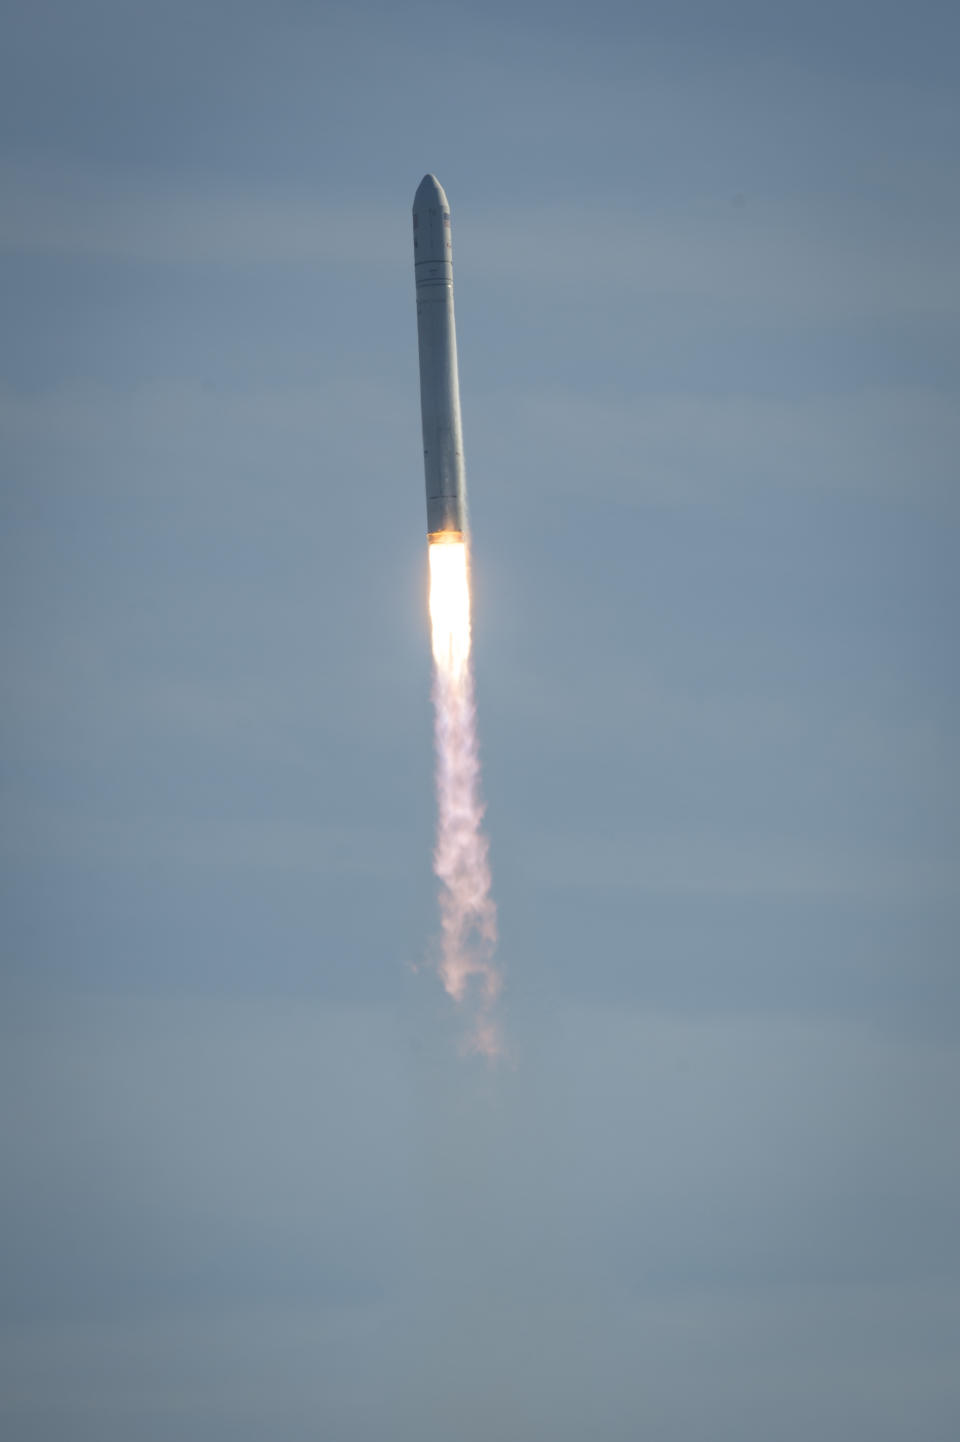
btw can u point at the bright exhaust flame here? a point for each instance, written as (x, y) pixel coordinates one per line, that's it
(467, 913)
(450, 606)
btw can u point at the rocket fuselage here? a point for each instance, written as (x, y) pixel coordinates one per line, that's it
(439, 382)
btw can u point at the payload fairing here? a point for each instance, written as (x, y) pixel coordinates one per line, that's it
(439, 382)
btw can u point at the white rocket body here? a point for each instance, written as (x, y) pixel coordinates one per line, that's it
(439, 382)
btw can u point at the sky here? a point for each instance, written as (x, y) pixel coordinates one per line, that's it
(708, 305)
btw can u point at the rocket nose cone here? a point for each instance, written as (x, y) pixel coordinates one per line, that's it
(431, 227)
(430, 193)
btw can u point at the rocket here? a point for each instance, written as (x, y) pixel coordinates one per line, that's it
(439, 382)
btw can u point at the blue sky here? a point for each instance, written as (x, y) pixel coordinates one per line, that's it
(708, 303)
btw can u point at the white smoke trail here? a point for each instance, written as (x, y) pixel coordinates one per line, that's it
(467, 911)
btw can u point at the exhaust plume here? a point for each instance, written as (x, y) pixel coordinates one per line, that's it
(468, 915)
